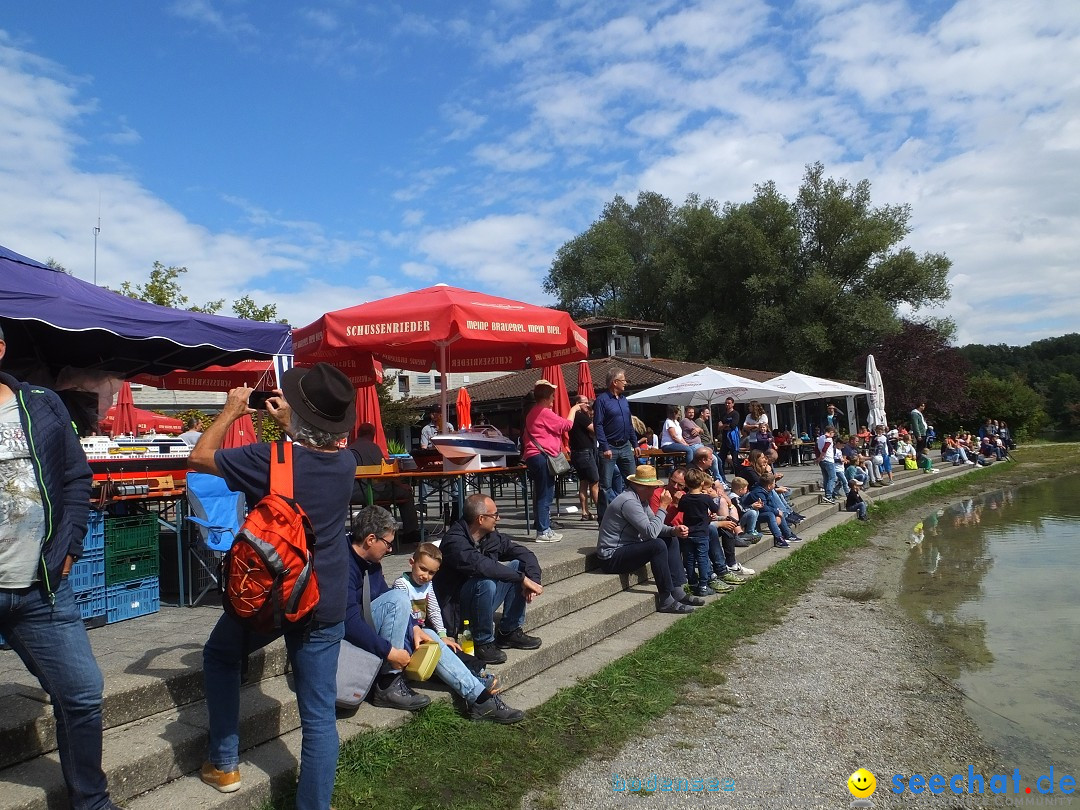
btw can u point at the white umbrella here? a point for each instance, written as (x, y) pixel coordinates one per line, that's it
(707, 386)
(877, 394)
(798, 387)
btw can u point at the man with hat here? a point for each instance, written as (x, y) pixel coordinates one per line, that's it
(45, 501)
(317, 408)
(631, 534)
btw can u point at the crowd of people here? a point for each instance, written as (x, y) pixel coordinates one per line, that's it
(725, 489)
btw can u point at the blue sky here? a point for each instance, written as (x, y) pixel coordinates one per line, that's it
(318, 155)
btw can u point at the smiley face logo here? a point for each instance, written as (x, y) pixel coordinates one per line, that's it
(862, 784)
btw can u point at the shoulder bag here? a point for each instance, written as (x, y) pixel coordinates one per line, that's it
(356, 668)
(557, 464)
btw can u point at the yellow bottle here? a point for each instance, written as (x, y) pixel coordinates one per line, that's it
(465, 639)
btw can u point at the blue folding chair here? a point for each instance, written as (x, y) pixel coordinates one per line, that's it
(217, 512)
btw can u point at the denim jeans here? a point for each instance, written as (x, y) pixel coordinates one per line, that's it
(750, 519)
(721, 551)
(390, 613)
(453, 672)
(543, 490)
(674, 447)
(313, 654)
(696, 560)
(860, 507)
(778, 524)
(52, 642)
(481, 597)
(833, 478)
(662, 554)
(622, 458)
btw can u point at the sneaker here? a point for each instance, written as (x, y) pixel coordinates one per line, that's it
(826, 499)
(223, 781)
(494, 710)
(742, 570)
(791, 538)
(754, 536)
(517, 639)
(702, 592)
(693, 601)
(397, 695)
(490, 653)
(731, 578)
(781, 543)
(548, 536)
(933, 470)
(740, 542)
(795, 517)
(719, 586)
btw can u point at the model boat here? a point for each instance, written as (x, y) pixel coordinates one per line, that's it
(478, 440)
(132, 457)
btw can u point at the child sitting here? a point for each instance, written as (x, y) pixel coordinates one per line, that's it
(482, 701)
(696, 507)
(855, 503)
(416, 582)
(749, 515)
(778, 525)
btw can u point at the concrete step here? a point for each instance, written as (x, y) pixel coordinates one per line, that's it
(268, 767)
(165, 678)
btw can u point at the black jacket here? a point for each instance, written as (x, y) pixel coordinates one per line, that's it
(63, 475)
(464, 559)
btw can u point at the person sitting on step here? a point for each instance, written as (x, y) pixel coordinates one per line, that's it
(483, 570)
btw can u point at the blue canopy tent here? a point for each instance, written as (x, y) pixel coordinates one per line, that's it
(53, 321)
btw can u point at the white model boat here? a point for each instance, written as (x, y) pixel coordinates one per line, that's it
(105, 448)
(479, 440)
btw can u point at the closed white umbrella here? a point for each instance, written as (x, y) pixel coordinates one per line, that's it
(877, 394)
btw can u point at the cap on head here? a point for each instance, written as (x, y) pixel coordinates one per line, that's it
(544, 384)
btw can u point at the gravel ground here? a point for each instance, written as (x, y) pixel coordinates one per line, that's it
(840, 684)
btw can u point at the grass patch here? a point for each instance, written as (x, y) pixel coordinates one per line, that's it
(438, 760)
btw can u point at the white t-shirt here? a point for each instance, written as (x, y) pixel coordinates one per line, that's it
(22, 516)
(665, 433)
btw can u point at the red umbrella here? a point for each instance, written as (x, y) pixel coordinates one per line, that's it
(124, 420)
(554, 374)
(252, 373)
(367, 410)
(464, 409)
(145, 422)
(240, 432)
(584, 381)
(445, 328)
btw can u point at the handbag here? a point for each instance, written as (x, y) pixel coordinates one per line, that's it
(356, 668)
(557, 464)
(879, 459)
(910, 464)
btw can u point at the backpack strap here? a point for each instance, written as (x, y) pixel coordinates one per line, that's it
(281, 469)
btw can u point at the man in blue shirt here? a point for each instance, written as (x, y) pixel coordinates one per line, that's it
(615, 436)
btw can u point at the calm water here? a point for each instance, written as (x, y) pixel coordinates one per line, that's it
(998, 580)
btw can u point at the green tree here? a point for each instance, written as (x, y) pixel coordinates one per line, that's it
(1010, 399)
(247, 309)
(395, 413)
(163, 289)
(55, 265)
(771, 283)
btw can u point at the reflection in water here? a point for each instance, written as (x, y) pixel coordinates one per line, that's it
(995, 579)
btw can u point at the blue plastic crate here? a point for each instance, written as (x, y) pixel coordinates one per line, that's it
(89, 572)
(92, 603)
(95, 532)
(129, 600)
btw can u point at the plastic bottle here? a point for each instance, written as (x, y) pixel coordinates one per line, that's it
(465, 639)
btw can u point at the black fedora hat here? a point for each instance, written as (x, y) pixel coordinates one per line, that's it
(322, 396)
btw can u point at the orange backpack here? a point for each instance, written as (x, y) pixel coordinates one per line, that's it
(268, 576)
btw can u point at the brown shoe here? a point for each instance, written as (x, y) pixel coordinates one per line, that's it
(224, 781)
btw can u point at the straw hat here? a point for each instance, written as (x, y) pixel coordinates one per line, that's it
(542, 383)
(645, 475)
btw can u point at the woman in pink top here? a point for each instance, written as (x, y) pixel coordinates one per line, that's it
(544, 430)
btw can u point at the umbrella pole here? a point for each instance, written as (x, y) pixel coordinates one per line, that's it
(443, 405)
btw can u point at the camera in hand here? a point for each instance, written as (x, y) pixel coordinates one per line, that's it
(257, 400)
